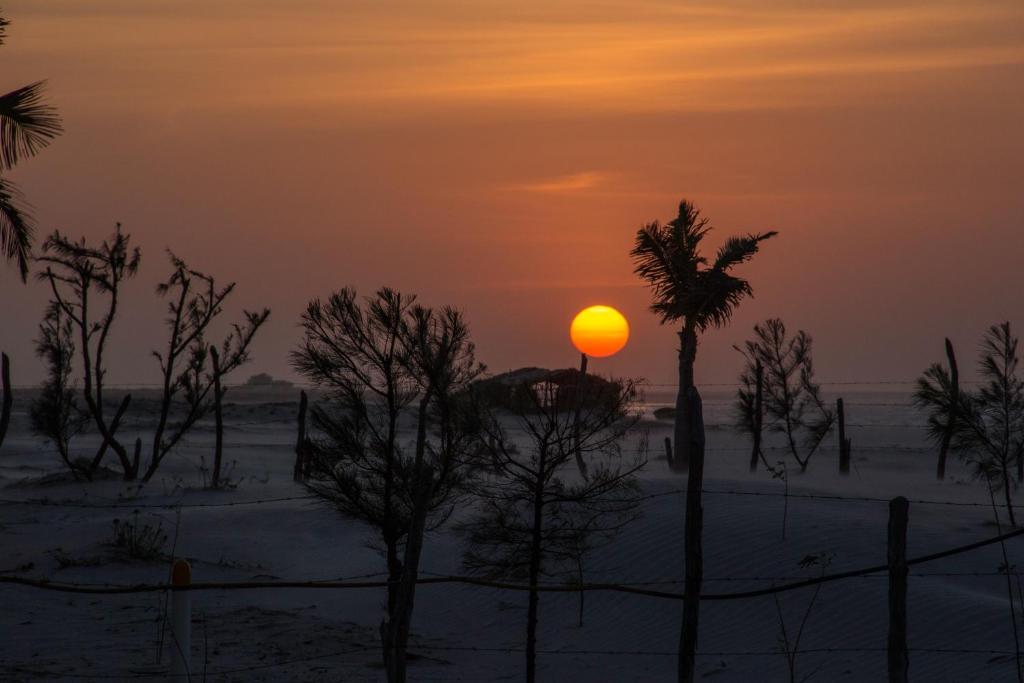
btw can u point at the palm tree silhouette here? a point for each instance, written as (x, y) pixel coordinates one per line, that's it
(27, 124)
(686, 289)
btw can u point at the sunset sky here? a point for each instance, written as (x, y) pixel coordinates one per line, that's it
(499, 156)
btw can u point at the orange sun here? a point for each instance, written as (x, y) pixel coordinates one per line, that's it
(599, 331)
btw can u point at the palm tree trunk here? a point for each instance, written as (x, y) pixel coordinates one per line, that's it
(687, 355)
(694, 552)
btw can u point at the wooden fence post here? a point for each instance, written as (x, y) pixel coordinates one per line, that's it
(694, 559)
(181, 623)
(947, 434)
(899, 661)
(8, 396)
(300, 445)
(668, 450)
(845, 444)
(758, 415)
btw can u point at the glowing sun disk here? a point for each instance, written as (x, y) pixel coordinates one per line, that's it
(599, 331)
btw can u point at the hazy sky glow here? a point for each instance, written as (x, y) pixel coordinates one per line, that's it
(500, 156)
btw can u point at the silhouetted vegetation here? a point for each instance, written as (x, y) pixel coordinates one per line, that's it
(375, 359)
(791, 401)
(27, 124)
(938, 392)
(988, 423)
(535, 517)
(195, 301)
(686, 289)
(75, 272)
(233, 353)
(352, 350)
(140, 540)
(55, 414)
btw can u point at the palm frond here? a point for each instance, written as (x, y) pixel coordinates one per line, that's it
(15, 228)
(655, 255)
(27, 123)
(683, 287)
(715, 296)
(737, 250)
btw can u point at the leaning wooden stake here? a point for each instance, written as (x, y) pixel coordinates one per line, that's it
(947, 434)
(755, 454)
(845, 444)
(300, 444)
(694, 523)
(899, 661)
(8, 396)
(181, 622)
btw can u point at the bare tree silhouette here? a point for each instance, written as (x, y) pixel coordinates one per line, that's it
(791, 401)
(938, 392)
(352, 350)
(376, 359)
(27, 124)
(688, 290)
(75, 271)
(233, 353)
(536, 517)
(195, 302)
(440, 356)
(988, 424)
(55, 414)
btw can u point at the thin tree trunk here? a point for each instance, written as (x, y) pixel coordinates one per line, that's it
(947, 435)
(844, 443)
(108, 440)
(755, 454)
(218, 418)
(694, 560)
(536, 547)
(388, 531)
(158, 435)
(1006, 494)
(399, 625)
(8, 396)
(395, 630)
(687, 356)
(300, 442)
(580, 384)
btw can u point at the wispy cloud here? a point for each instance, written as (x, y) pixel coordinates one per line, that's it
(574, 182)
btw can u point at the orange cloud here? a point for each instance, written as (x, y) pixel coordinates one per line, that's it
(574, 182)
